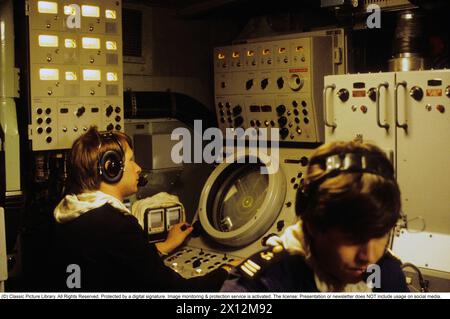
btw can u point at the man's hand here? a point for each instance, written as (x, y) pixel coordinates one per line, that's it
(176, 236)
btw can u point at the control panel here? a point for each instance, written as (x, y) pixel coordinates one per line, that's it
(202, 255)
(76, 73)
(273, 84)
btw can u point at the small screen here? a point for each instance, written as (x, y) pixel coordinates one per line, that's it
(173, 216)
(156, 219)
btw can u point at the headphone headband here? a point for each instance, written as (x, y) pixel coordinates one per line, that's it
(336, 164)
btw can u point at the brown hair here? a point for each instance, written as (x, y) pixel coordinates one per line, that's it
(361, 204)
(83, 173)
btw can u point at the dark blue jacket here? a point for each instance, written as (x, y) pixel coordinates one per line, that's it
(290, 273)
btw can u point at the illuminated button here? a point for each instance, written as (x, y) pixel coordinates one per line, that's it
(110, 14)
(111, 76)
(70, 43)
(299, 131)
(50, 41)
(49, 7)
(90, 43)
(91, 75)
(92, 60)
(49, 74)
(111, 45)
(71, 76)
(90, 11)
(266, 123)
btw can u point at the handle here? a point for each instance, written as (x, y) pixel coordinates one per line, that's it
(404, 125)
(386, 85)
(324, 96)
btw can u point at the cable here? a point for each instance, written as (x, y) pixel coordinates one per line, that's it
(423, 283)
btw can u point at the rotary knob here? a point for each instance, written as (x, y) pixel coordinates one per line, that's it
(343, 95)
(416, 93)
(282, 121)
(372, 93)
(284, 132)
(281, 109)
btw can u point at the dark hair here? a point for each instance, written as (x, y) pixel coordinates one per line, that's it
(83, 172)
(361, 204)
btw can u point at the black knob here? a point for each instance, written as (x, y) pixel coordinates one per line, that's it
(198, 230)
(118, 118)
(227, 105)
(81, 111)
(252, 123)
(416, 93)
(294, 103)
(343, 95)
(220, 104)
(258, 123)
(48, 139)
(249, 84)
(48, 120)
(118, 127)
(110, 127)
(264, 83)
(282, 121)
(304, 161)
(40, 130)
(280, 82)
(196, 263)
(48, 130)
(117, 109)
(39, 121)
(48, 110)
(284, 132)
(109, 110)
(281, 109)
(39, 111)
(237, 110)
(372, 93)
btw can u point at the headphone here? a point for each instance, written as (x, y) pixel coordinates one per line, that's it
(110, 164)
(334, 165)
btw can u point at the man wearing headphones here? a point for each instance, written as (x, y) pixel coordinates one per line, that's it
(98, 245)
(348, 206)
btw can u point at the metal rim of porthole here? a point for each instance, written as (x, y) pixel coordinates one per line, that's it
(266, 214)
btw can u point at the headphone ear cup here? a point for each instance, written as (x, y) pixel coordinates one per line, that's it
(111, 167)
(301, 201)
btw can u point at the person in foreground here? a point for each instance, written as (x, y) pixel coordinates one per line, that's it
(348, 206)
(96, 233)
